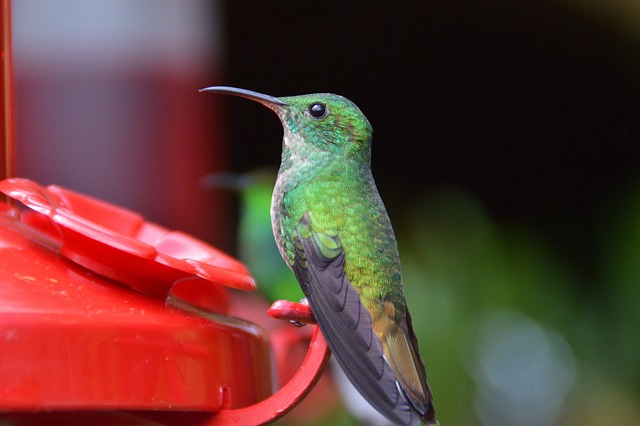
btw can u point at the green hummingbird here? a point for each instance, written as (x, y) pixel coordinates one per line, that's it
(333, 231)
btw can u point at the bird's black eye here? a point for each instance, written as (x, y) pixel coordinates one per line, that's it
(318, 110)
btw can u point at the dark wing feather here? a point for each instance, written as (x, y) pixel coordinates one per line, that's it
(346, 325)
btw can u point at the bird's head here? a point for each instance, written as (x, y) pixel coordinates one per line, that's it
(321, 122)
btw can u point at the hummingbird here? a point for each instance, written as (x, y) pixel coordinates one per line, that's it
(333, 231)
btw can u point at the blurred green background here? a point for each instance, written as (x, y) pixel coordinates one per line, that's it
(506, 143)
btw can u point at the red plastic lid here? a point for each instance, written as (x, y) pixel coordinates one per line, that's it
(119, 244)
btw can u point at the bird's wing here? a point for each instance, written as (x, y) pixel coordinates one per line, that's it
(346, 324)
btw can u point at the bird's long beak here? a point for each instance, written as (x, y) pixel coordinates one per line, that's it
(266, 100)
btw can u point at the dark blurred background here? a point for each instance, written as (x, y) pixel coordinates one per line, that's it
(531, 106)
(506, 148)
